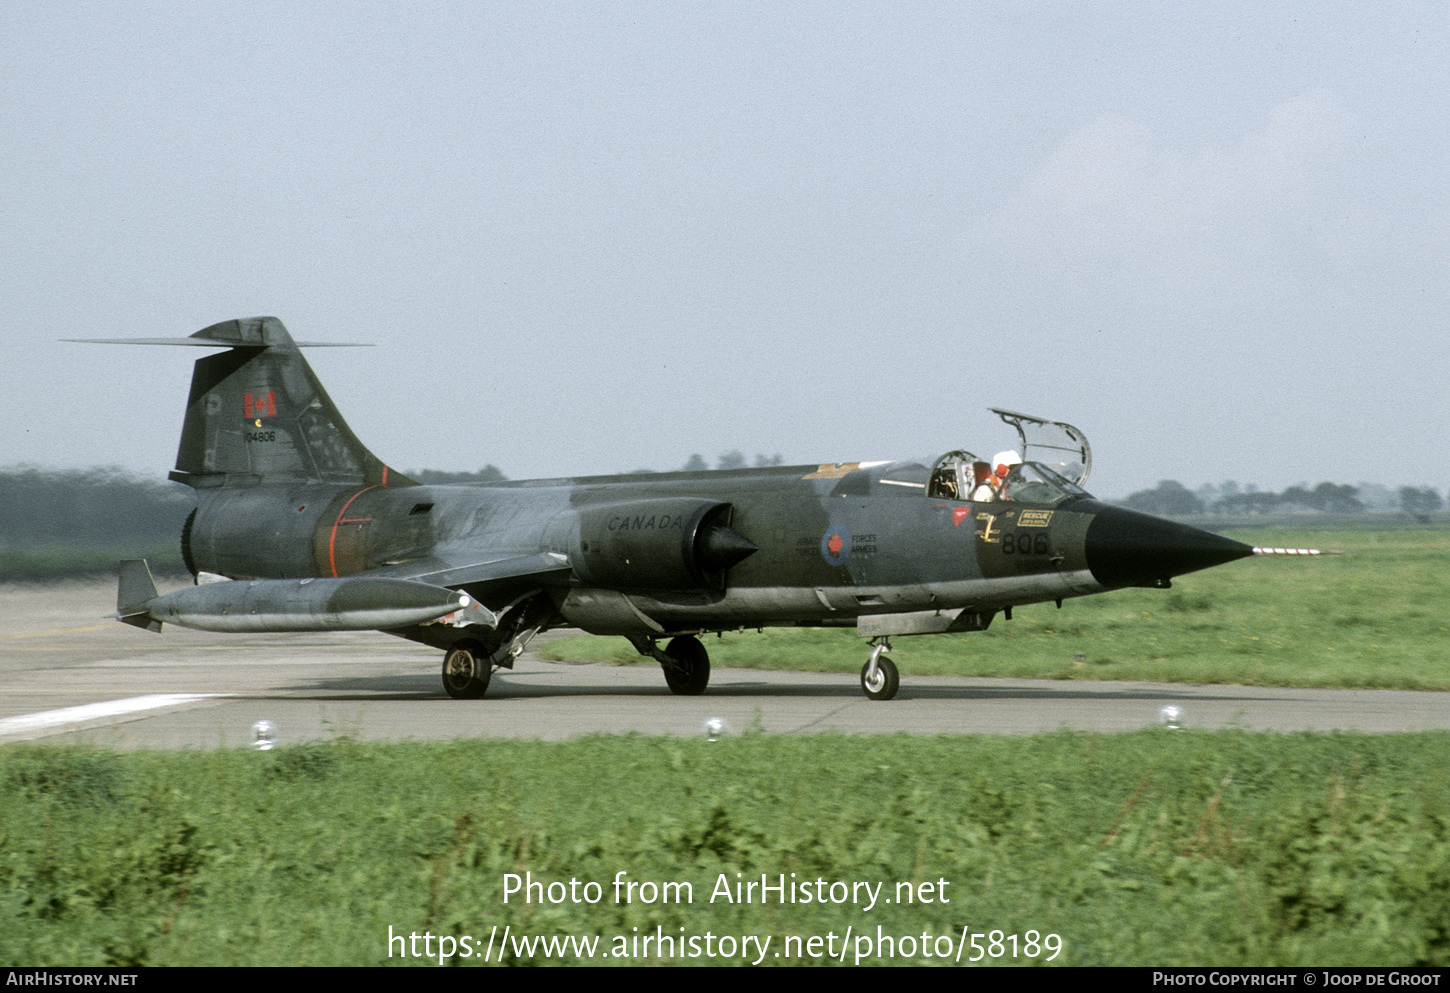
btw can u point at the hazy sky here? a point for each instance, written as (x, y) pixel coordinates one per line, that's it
(598, 237)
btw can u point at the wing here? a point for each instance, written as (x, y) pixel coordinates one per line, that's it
(537, 569)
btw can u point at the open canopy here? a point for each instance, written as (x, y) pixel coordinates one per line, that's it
(1054, 461)
(1061, 447)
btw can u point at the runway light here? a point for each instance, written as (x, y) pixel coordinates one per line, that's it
(264, 736)
(1171, 717)
(714, 728)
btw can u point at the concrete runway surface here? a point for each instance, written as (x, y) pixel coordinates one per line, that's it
(69, 674)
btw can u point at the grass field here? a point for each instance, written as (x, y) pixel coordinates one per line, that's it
(1159, 847)
(1154, 848)
(1377, 616)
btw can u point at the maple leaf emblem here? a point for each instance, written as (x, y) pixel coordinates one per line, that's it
(836, 544)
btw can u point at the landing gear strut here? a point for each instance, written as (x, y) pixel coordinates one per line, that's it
(684, 660)
(469, 663)
(879, 678)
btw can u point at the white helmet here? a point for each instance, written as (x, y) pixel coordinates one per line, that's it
(1003, 462)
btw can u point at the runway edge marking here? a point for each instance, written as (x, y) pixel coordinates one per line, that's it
(43, 720)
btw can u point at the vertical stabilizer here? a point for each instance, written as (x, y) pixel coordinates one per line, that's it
(257, 413)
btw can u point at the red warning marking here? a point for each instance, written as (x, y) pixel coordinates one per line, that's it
(960, 514)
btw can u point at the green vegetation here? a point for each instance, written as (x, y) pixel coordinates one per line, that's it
(56, 563)
(63, 524)
(1171, 498)
(1153, 848)
(1378, 616)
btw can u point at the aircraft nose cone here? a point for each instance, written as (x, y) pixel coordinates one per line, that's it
(1126, 548)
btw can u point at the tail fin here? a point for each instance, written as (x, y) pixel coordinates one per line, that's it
(137, 589)
(257, 411)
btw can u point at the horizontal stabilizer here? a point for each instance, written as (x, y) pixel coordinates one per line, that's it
(208, 343)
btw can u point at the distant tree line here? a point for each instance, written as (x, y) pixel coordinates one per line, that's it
(60, 524)
(89, 507)
(732, 460)
(488, 474)
(1172, 499)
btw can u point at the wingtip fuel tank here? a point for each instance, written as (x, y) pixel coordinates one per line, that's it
(357, 603)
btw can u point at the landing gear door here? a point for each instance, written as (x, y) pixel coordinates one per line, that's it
(1059, 446)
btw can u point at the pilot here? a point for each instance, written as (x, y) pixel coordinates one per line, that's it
(1002, 464)
(982, 489)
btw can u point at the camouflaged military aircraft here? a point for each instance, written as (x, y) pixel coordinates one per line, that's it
(298, 527)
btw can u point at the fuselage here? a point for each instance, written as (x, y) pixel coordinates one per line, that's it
(827, 544)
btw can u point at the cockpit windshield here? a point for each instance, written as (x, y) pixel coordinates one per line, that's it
(1033, 482)
(960, 475)
(952, 477)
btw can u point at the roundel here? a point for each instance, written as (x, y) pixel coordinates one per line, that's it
(835, 545)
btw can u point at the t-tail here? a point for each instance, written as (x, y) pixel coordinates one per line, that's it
(257, 414)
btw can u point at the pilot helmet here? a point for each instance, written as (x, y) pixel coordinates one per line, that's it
(1003, 462)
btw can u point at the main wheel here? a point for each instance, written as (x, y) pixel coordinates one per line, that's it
(466, 671)
(690, 673)
(887, 680)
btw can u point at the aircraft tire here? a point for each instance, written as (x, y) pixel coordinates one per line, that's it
(691, 672)
(888, 680)
(466, 671)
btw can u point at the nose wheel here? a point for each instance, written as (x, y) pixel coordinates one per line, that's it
(879, 678)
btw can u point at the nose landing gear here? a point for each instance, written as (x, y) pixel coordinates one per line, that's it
(879, 678)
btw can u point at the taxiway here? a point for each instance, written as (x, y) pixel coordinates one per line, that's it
(68, 674)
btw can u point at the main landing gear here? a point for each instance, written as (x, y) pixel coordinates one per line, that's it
(469, 662)
(466, 670)
(685, 662)
(879, 678)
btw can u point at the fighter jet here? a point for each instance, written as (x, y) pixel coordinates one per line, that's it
(299, 527)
